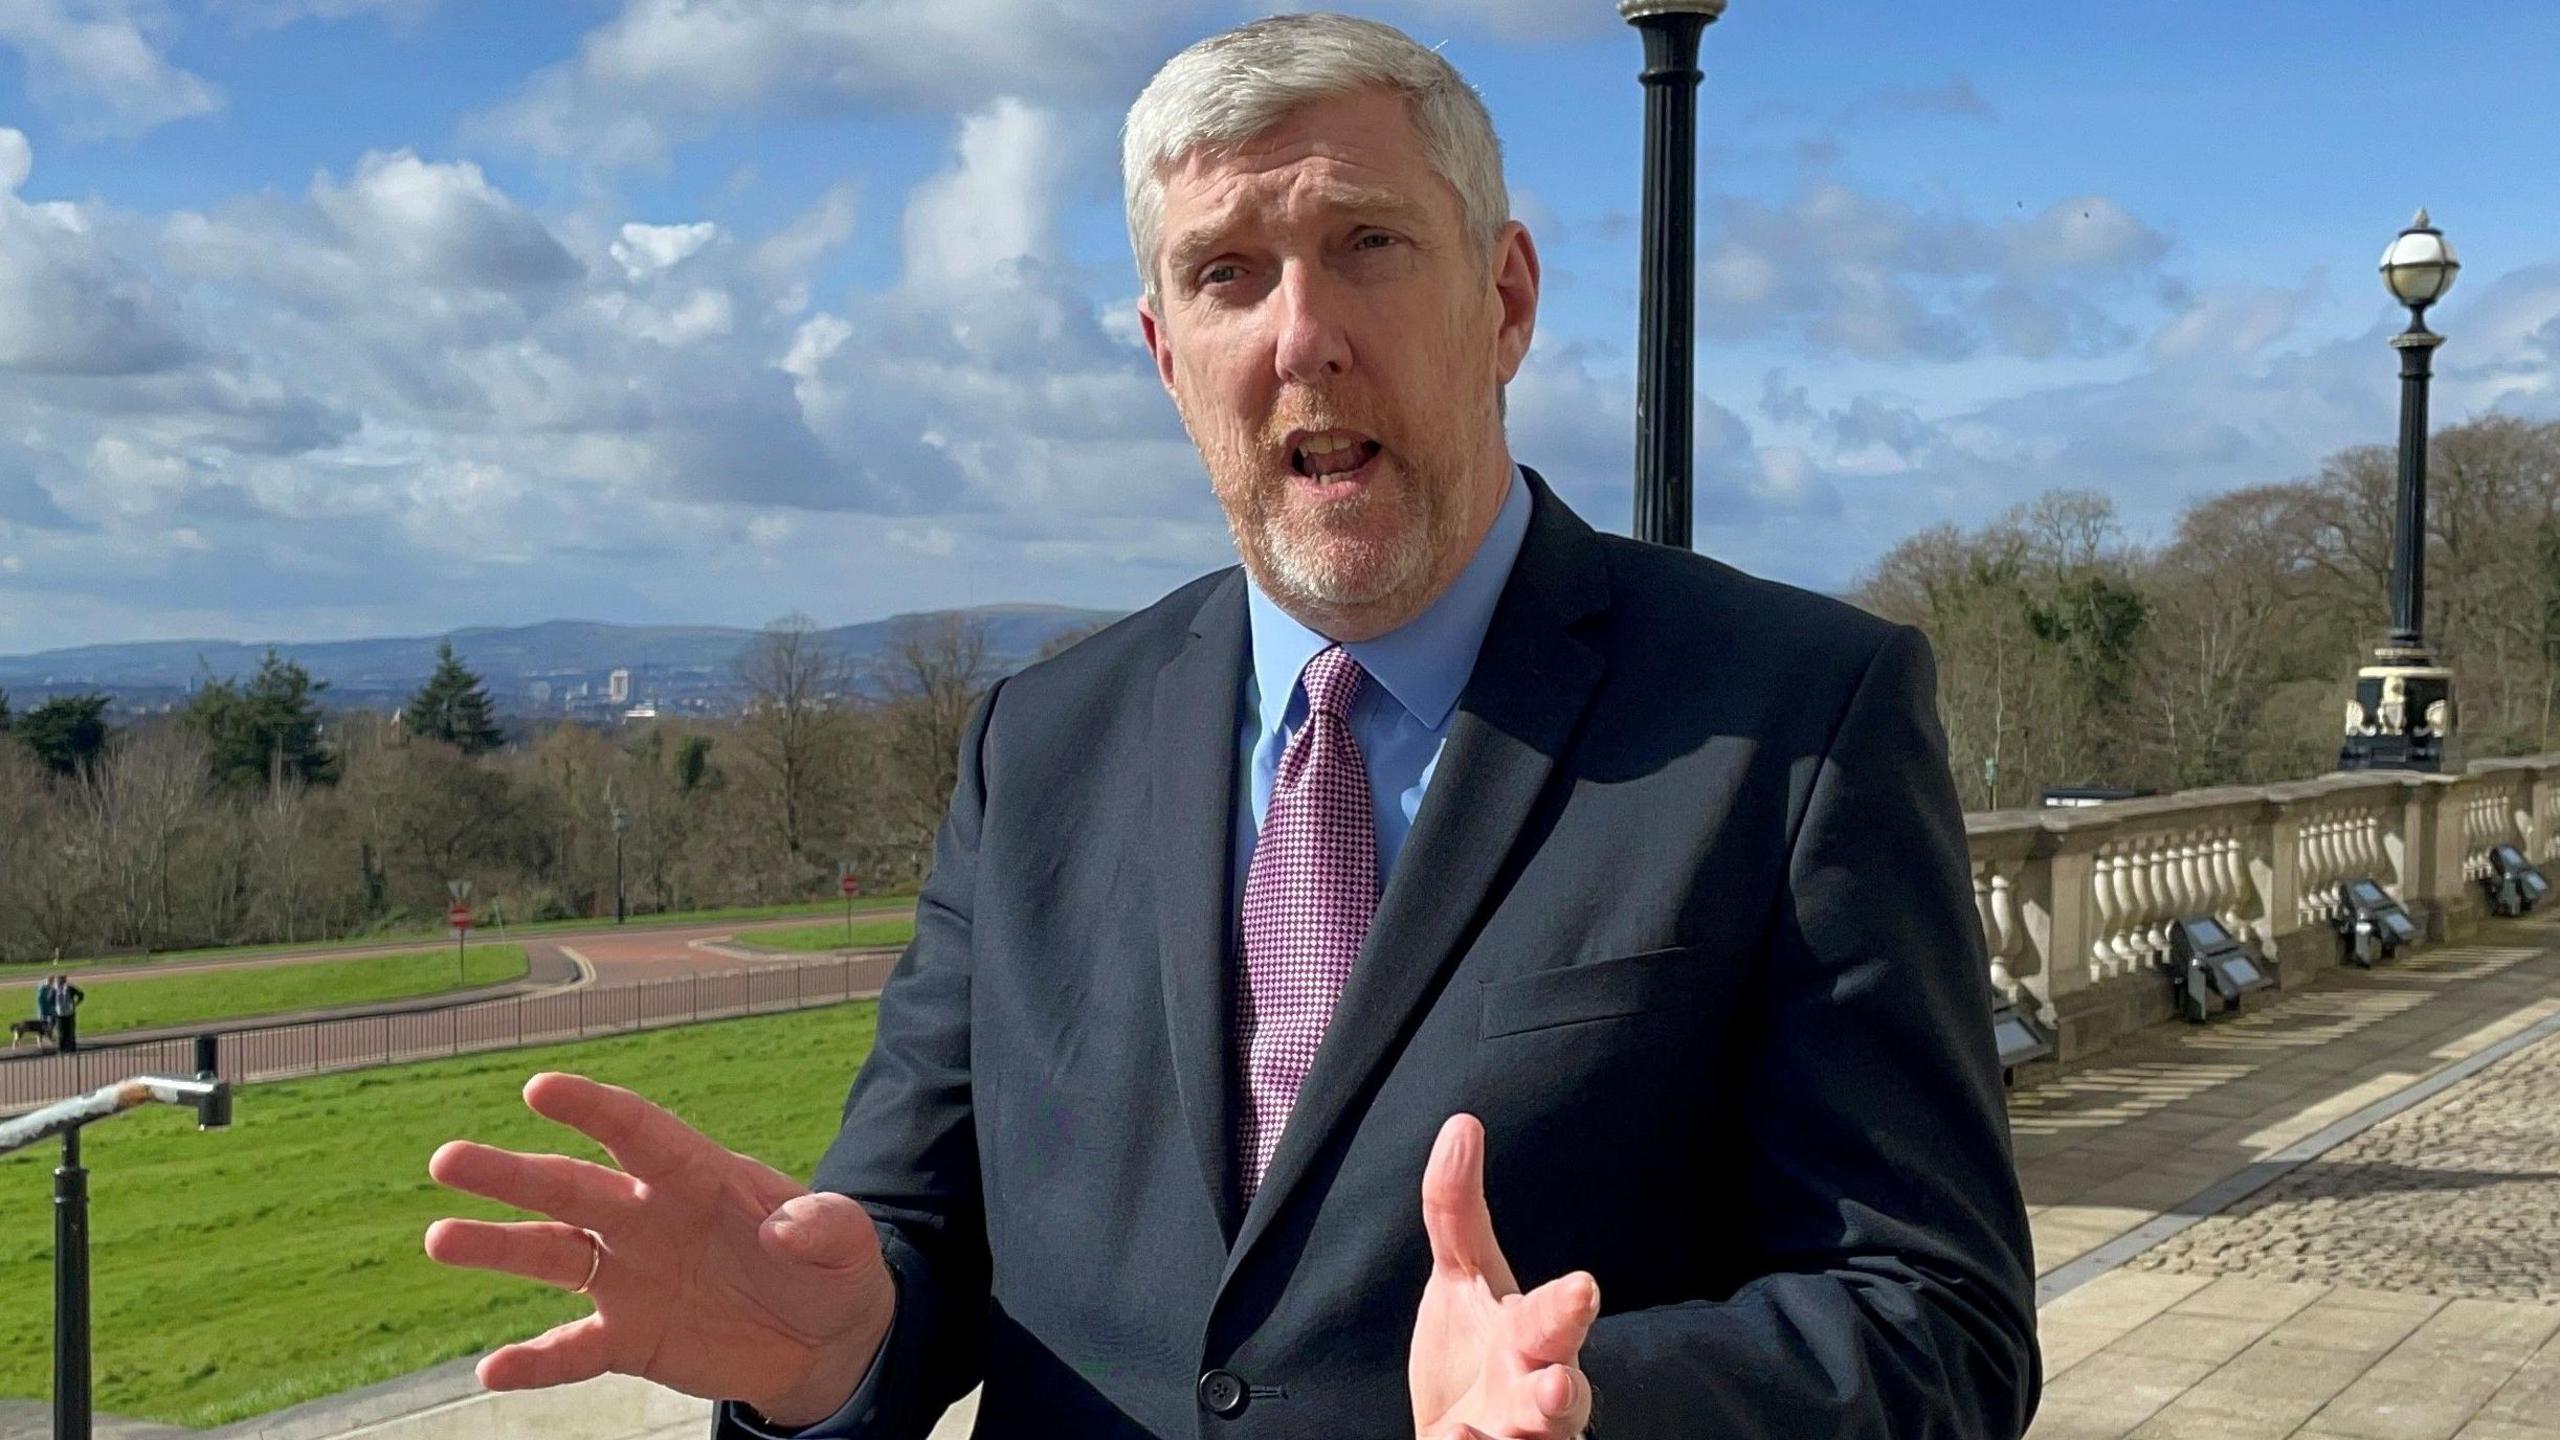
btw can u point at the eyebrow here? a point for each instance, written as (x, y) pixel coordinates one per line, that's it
(1367, 202)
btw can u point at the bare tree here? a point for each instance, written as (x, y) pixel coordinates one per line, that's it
(139, 803)
(794, 731)
(936, 670)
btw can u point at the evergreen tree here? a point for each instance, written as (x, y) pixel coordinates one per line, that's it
(453, 706)
(67, 733)
(693, 758)
(268, 728)
(5, 716)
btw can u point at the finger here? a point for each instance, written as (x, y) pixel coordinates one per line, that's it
(1563, 1398)
(644, 1139)
(1552, 1321)
(1453, 1208)
(562, 1355)
(823, 1229)
(543, 1250)
(560, 1186)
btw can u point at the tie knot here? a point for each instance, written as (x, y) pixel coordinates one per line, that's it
(1332, 681)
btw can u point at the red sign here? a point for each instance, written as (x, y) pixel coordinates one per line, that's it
(850, 885)
(459, 917)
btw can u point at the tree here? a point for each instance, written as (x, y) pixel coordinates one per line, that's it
(138, 804)
(453, 706)
(936, 671)
(67, 733)
(266, 731)
(5, 717)
(794, 728)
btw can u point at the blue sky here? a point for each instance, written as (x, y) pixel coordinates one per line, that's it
(335, 317)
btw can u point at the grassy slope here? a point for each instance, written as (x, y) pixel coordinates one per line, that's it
(240, 1272)
(833, 937)
(740, 913)
(144, 1001)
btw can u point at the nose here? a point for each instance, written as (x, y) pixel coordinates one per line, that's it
(1313, 345)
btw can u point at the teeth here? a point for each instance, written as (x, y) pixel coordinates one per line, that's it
(1326, 444)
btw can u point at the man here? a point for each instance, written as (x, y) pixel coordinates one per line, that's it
(44, 1008)
(66, 1013)
(1458, 975)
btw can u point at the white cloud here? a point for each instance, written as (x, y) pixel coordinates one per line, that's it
(68, 305)
(993, 207)
(647, 250)
(1876, 278)
(661, 71)
(98, 64)
(2237, 322)
(17, 159)
(441, 223)
(782, 260)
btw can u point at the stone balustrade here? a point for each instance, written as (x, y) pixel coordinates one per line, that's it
(2077, 904)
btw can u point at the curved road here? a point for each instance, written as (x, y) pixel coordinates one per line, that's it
(577, 982)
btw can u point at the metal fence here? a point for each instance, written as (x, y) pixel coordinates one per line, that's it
(356, 1042)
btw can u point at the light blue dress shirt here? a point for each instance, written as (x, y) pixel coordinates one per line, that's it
(1400, 721)
(1402, 716)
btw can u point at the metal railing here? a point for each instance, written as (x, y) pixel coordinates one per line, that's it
(357, 1042)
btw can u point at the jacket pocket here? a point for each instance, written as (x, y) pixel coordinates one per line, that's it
(1602, 990)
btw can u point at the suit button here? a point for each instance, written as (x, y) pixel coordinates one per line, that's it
(1221, 1393)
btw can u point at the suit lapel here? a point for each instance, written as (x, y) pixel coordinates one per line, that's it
(1199, 694)
(1531, 682)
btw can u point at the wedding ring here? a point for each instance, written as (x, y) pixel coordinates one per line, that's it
(595, 1261)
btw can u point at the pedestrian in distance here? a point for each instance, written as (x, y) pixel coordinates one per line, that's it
(66, 1013)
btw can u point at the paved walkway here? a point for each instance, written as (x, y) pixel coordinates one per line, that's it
(2230, 1251)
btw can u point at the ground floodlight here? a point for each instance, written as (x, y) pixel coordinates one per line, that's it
(2209, 968)
(2371, 925)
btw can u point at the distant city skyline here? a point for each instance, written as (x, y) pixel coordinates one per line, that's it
(340, 318)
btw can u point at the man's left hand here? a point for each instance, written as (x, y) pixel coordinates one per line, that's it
(1490, 1363)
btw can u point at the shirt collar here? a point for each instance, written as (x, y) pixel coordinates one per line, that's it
(1423, 663)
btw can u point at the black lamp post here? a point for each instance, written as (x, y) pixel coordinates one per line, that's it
(211, 1098)
(2403, 716)
(1672, 30)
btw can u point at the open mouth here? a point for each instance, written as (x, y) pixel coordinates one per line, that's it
(1330, 455)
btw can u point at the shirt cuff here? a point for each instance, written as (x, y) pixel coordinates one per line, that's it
(838, 1426)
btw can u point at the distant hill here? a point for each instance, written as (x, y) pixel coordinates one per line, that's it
(558, 666)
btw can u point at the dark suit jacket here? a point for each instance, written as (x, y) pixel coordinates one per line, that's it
(1685, 919)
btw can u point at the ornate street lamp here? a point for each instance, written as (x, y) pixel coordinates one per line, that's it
(1672, 29)
(2403, 717)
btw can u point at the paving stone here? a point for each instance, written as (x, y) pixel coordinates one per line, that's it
(2459, 1196)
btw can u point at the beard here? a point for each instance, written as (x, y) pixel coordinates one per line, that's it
(1370, 550)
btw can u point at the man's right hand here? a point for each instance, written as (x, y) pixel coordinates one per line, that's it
(719, 1275)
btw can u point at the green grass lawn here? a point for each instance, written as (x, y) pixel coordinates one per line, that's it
(144, 1001)
(240, 1272)
(833, 937)
(872, 904)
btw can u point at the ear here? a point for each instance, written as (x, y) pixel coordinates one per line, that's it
(1515, 286)
(1159, 344)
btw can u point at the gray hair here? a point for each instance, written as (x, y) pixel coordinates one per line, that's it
(1230, 88)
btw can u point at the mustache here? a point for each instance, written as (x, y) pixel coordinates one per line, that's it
(1316, 419)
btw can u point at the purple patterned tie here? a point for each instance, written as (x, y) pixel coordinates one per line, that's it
(1308, 897)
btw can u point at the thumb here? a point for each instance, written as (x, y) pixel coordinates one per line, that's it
(1454, 1214)
(821, 1228)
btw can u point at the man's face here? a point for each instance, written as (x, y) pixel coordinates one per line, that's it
(1336, 343)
